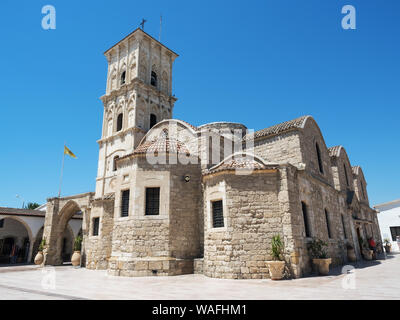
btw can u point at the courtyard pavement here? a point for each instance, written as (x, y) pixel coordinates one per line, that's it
(369, 280)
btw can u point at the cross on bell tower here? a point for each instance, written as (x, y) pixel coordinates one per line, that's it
(142, 23)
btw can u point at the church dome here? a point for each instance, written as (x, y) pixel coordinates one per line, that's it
(163, 144)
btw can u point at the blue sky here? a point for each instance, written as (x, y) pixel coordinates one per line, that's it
(254, 62)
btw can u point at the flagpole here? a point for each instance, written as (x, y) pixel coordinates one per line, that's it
(61, 176)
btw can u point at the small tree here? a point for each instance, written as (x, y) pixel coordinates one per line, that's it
(78, 243)
(277, 248)
(317, 249)
(32, 205)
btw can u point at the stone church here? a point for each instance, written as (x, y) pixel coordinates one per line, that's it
(172, 198)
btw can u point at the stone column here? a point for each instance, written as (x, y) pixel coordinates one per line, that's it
(50, 231)
(32, 241)
(289, 204)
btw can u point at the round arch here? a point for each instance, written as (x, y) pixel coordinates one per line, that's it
(24, 223)
(26, 248)
(38, 239)
(65, 231)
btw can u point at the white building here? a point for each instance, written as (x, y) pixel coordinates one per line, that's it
(389, 221)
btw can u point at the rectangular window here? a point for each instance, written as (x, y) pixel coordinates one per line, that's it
(1, 223)
(96, 222)
(152, 201)
(125, 203)
(395, 231)
(344, 227)
(306, 221)
(218, 214)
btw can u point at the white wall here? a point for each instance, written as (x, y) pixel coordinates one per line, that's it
(389, 216)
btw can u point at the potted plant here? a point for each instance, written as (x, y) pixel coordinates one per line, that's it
(388, 245)
(351, 254)
(365, 251)
(39, 256)
(76, 257)
(277, 265)
(319, 256)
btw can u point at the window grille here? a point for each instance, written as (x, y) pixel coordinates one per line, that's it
(152, 201)
(125, 203)
(96, 222)
(218, 214)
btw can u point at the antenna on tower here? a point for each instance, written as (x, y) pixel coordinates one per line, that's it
(159, 36)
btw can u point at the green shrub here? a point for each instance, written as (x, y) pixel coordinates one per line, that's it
(42, 244)
(316, 248)
(78, 243)
(277, 248)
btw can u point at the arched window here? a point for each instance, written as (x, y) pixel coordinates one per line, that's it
(123, 77)
(362, 190)
(321, 168)
(115, 163)
(119, 122)
(344, 227)
(306, 219)
(153, 120)
(153, 81)
(328, 226)
(345, 174)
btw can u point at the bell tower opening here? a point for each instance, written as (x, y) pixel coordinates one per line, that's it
(153, 79)
(153, 120)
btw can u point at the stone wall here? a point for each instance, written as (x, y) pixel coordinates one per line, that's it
(252, 215)
(157, 245)
(185, 206)
(320, 197)
(97, 249)
(283, 148)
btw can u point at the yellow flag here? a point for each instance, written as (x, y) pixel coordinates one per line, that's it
(69, 152)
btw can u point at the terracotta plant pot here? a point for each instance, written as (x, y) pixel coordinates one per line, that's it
(76, 258)
(367, 254)
(276, 269)
(351, 255)
(39, 258)
(322, 266)
(387, 249)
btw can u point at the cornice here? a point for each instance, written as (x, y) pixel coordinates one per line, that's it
(207, 176)
(120, 133)
(136, 84)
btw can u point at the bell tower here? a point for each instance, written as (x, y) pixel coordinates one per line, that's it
(138, 95)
